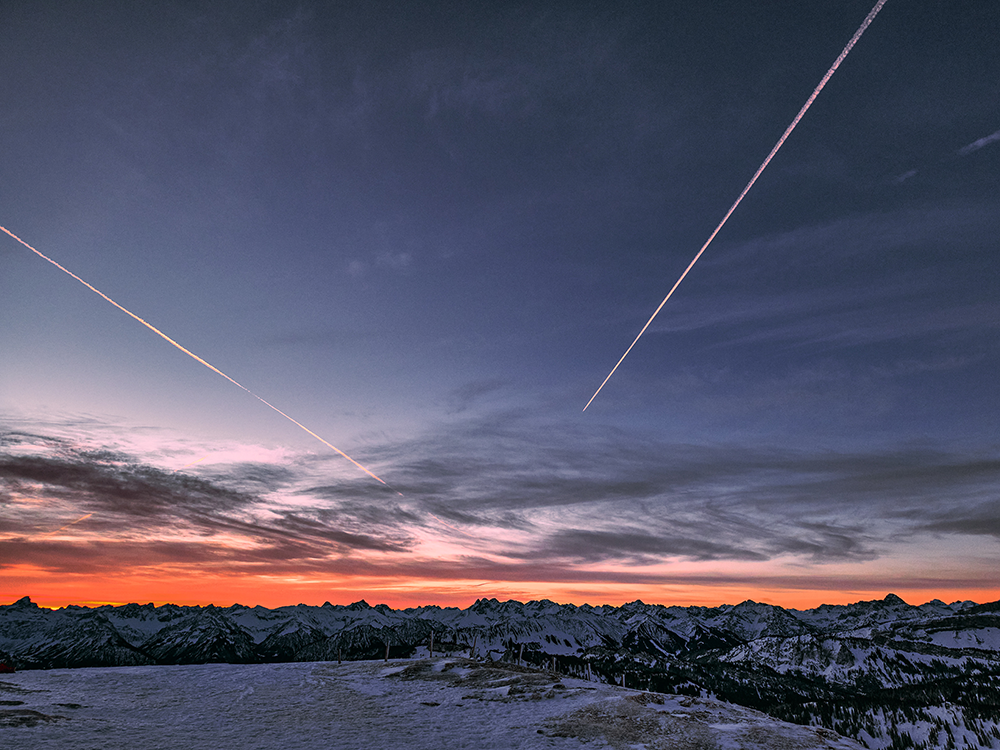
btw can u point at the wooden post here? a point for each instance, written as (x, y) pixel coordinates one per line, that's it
(432, 642)
(387, 651)
(520, 653)
(338, 655)
(472, 651)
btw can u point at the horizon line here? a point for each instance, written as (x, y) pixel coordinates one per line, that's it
(95, 605)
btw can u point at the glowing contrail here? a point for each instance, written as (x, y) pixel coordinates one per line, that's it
(788, 131)
(192, 463)
(191, 354)
(83, 518)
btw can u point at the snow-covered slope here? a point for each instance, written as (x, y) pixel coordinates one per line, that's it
(833, 665)
(414, 704)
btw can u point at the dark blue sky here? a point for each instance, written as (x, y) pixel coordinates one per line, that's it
(428, 232)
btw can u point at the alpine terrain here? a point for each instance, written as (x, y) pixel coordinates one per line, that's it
(885, 673)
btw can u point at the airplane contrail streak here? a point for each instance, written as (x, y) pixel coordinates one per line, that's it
(191, 354)
(763, 166)
(82, 518)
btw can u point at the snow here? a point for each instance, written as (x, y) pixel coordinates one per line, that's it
(559, 630)
(848, 645)
(953, 718)
(981, 638)
(417, 704)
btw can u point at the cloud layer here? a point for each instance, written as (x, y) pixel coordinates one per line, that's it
(427, 233)
(499, 499)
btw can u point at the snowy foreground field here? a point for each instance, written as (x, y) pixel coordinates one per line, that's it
(413, 704)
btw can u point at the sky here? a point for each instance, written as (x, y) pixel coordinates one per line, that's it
(427, 232)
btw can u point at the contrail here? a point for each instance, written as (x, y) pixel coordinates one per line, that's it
(82, 518)
(788, 131)
(191, 354)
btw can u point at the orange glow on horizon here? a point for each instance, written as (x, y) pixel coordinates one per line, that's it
(163, 587)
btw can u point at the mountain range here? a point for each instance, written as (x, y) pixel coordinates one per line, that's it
(884, 672)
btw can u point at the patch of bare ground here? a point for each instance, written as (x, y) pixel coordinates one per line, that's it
(659, 722)
(626, 719)
(507, 682)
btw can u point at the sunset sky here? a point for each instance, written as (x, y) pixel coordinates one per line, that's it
(427, 231)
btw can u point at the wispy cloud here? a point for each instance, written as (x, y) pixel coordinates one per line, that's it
(129, 499)
(980, 143)
(841, 284)
(503, 494)
(465, 396)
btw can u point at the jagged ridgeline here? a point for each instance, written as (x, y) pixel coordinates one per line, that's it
(884, 672)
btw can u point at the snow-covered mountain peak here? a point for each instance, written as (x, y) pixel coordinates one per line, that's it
(791, 663)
